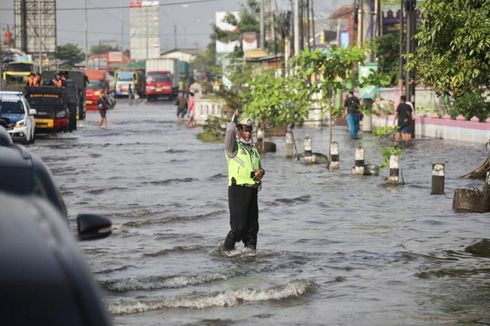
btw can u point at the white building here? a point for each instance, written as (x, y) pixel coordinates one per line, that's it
(144, 31)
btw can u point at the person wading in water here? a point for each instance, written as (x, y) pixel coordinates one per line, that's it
(244, 178)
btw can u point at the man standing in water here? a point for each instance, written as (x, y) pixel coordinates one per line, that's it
(352, 104)
(244, 178)
(404, 116)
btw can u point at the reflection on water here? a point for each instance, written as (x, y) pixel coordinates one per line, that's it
(333, 248)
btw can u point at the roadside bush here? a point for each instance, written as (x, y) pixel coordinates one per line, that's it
(470, 105)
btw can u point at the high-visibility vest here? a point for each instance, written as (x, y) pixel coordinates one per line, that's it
(31, 81)
(242, 165)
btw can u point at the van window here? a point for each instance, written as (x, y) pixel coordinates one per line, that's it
(125, 76)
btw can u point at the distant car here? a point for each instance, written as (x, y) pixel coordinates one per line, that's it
(25, 174)
(17, 117)
(43, 277)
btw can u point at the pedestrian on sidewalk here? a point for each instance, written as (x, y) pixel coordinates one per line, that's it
(244, 179)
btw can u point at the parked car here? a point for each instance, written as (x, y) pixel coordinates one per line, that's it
(17, 117)
(43, 277)
(24, 174)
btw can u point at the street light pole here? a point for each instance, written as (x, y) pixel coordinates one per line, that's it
(39, 35)
(86, 36)
(296, 27)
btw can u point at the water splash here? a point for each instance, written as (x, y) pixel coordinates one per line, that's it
(228, 298)
(154, 283)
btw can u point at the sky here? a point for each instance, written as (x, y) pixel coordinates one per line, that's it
(191, 18)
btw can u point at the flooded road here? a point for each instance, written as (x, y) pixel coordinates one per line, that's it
(333, 249)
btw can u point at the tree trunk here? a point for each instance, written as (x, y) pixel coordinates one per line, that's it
(480, 172)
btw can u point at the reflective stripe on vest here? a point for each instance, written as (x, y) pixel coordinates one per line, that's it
(241, 166)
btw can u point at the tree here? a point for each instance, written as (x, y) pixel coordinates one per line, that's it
(70, 53)
(272, 99)
(387, 50)
(103, 48)
(330, 69)
(453, 51)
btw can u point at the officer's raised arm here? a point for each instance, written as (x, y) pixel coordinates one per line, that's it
(231, 146)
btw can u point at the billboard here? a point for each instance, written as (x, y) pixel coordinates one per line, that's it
(35, 26)
(225, 47)
(144, 29)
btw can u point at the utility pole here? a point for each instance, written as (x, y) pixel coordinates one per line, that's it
(86, 36)
(410, 48)
(147, 12)
(296, 26)
(313, 23)
(262, 26)
(122, 26)
(40, 35)
(175, 37)
(360, 30)
(402, 31)
(410, 6)
(307, 9)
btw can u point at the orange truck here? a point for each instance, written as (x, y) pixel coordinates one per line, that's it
(98, 84)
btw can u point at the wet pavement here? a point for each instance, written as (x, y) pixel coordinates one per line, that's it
(333, 249)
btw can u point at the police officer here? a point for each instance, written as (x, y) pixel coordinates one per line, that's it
(244, 178)
(31, 81)
(58, 80)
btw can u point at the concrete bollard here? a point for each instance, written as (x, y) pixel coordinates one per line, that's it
(358, 168)
(334, 157)
(438, 179)
(308, 150)
(394, 170)
(289, 144)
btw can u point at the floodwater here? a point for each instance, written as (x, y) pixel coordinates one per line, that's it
(333, 249)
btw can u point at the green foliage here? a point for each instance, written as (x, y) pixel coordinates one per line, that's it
(70, 53)
(453, 51)
(333, 67)
(470, 105)
(385, 132)
(103, 48)
(387, 50)
(276, 99)
(387, 152)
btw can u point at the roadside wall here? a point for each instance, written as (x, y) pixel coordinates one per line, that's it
(205, 108)
(445, 128)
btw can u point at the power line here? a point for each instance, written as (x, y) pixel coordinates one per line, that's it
(125, 7)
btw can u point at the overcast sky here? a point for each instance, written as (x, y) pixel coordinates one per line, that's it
(192, 20)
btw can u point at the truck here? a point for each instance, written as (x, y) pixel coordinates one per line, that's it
(162, 78)
(75, 82)
(52, 108)
(98, 84)
(126, 78)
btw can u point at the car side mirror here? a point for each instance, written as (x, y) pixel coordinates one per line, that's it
(32, 111)
(91, 227)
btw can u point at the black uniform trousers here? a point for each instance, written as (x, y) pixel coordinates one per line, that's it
(244, 217)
